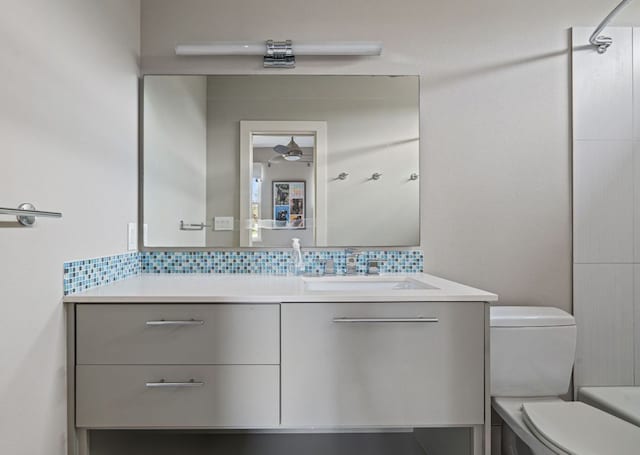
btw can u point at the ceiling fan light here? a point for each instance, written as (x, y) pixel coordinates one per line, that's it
(292, 157)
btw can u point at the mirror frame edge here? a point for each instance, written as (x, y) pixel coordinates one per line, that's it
(142, 248)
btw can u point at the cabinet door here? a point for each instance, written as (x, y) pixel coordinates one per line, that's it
(382, 364)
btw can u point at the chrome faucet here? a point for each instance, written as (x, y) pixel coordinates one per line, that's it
(352, 260)
(329, 267)
(373, 266)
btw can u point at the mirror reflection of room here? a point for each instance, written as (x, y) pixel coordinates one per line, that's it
(282, 189)
(196, 184)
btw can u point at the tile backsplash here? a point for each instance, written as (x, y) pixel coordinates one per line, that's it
(273, 262)
(89, 273)
(84, 274)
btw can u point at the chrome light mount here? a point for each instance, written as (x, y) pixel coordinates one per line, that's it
(279, 55)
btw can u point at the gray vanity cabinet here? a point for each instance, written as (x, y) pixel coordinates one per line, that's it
(383, 364)
(177, 365)
(278, 366)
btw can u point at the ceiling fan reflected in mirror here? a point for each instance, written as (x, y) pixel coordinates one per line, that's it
(290, 152)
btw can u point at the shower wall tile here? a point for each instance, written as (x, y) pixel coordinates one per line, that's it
(636, 314)
(636, 84)
(604, 317)
(602, 86)
(636, 202)
(603, 201)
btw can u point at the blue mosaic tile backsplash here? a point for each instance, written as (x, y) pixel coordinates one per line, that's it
(84, 274)
(273, 262)
(89, 273)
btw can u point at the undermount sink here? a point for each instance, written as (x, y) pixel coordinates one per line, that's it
(365, 283)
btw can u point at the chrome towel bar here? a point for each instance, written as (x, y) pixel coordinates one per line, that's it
(193, 226)
(26, 213)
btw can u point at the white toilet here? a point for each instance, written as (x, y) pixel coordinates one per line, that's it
(532, 355)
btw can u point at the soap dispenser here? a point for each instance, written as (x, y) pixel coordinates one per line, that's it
(297, 261)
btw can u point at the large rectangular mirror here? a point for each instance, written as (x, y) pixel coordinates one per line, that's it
(253, 161)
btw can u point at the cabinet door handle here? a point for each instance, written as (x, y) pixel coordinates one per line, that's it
(375, 320)
(162, 322)
(163, 383)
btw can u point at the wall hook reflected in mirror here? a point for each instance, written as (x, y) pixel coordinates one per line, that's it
(376, 176)
(413, 176)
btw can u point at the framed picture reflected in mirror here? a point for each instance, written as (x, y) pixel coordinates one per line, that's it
(289, 204)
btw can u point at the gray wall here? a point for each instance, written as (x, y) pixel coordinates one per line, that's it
(68, 141)
(495, 118)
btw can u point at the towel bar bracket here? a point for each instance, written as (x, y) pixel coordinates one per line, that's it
(26, 213)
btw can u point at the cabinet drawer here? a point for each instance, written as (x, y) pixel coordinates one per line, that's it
(383, 364)
(129, 396)
(178, 334)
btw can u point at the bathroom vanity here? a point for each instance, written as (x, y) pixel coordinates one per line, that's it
(256, 352)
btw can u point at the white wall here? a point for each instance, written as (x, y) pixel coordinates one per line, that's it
(175, 159)
(495, 114)
(68, 142)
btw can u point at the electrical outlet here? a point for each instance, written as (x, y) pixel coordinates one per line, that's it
(132, 236)
(223, 223)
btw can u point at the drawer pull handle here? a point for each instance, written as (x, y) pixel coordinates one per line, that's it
(376, 320)
(163, 383)
(163, 322)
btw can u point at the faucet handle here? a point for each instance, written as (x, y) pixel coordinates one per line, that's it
(329, 267)
(373, 266)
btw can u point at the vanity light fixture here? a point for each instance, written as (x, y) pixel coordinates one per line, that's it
(281, 54)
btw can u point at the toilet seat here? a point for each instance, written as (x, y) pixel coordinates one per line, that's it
(620, 401)
(574, 428)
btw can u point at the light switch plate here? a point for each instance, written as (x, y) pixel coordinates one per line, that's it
(132, 236)
(145, 234)
(223, 223)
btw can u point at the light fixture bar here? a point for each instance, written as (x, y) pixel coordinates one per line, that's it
(281, 53)
(338, 48)
(223, 48)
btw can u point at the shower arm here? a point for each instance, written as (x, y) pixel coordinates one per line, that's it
(602, 42)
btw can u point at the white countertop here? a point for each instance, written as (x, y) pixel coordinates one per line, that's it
(248, 288)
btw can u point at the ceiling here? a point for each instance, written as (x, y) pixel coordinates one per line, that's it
(271, 141)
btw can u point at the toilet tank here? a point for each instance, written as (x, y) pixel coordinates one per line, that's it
(532, 351)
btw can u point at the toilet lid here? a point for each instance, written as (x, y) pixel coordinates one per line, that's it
(579, 429)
